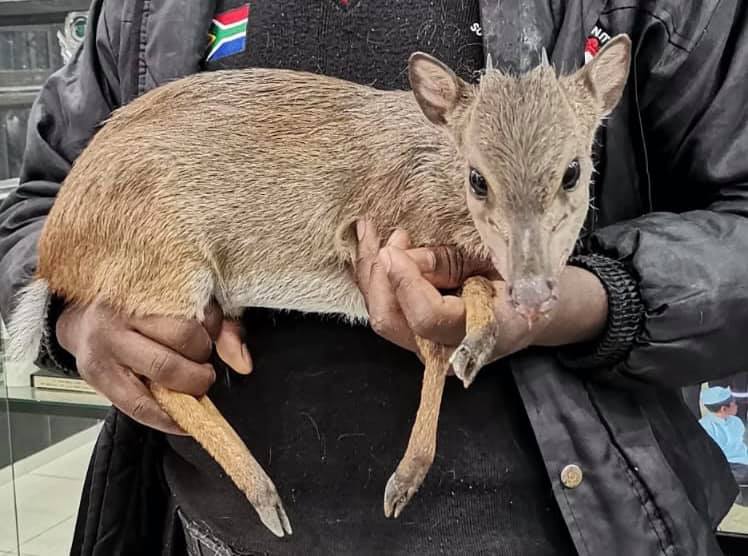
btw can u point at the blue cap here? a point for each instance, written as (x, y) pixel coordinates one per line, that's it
(715, 394)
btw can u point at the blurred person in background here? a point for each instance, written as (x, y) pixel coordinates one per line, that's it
(726, 429)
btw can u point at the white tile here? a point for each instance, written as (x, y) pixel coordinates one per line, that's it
(52, 542)
(7, 520)
(44, 502)
(8, 537)
(32, 523)
(72, 465)
(48, 494)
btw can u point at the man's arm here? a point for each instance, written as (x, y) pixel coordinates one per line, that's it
(690, 267)
(72, 103)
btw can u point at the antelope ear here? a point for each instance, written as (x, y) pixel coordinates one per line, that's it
(606, 74)
(438, 90)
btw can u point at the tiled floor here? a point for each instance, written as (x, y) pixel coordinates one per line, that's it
(736, 521)
(47, 500)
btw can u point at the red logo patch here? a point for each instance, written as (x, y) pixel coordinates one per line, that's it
(595, 41)
(592, 46)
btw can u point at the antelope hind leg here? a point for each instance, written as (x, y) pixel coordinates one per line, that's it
(481, 330)
(202, 420)
(419, 455)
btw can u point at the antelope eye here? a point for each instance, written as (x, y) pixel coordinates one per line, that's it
(478, 184)
(571, 176)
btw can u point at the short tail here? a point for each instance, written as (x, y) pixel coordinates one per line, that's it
(26, 325)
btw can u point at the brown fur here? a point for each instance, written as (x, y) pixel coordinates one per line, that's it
(298, 173)
(243, 185)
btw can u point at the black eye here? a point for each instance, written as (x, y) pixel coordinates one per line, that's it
(478, 184)
(571, 176)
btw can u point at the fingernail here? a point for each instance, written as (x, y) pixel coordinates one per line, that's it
(247, 359)
(386, 259)
(176, 431)
(395, 236)
(360, 228)
(432, 261)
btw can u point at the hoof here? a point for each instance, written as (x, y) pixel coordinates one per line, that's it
(472, 354)
(400, 489)
(271, 512)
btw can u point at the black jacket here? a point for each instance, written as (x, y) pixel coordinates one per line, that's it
(671, 203)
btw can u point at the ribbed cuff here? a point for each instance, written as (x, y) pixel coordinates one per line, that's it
(51, 355)
(625, 315)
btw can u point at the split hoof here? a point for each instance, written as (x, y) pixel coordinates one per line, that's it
(400, 489)
(472, 354)
(271, 512)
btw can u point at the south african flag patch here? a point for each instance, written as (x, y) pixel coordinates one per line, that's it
(228, 33)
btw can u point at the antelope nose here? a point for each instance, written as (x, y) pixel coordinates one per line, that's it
(533, 297)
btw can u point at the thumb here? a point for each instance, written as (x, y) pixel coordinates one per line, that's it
(231, 349)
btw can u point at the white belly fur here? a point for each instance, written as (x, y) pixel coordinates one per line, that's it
(314, 292)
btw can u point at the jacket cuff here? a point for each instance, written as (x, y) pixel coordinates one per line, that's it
(625, 315)
(51, 355)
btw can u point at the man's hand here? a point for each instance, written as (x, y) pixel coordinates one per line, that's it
(112, 353)
(400, 285)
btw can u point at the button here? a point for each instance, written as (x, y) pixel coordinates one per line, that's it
(571, 476)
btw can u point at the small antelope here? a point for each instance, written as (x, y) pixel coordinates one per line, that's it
(243, 187)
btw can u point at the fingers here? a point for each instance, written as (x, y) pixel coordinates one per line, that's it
(427, 313)
(110, 350)
(385, 317)
(129, 395)
(368, 247)
(195, 340)
(161, 364)
(187, 337)
(448, 268)
(399, 286)
(67, 328)
(213, 320)
(231, 349)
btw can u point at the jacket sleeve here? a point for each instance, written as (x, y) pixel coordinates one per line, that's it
(71, 104)
(690, 264)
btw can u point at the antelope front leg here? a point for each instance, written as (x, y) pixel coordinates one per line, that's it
(466, 360)
(481, 330)
(419, 455)
(202, 420)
